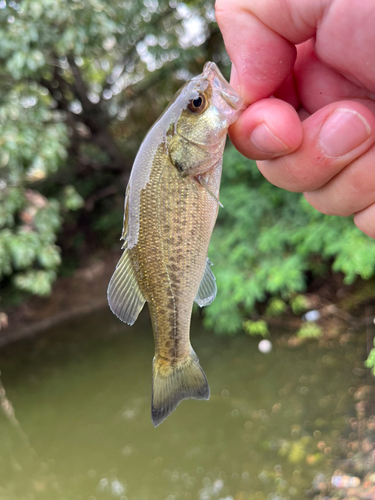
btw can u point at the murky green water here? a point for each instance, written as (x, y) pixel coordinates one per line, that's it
(81, 395)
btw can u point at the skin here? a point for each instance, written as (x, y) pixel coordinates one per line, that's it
(316, 133)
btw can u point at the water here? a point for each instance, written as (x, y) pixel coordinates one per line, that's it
(81, 396)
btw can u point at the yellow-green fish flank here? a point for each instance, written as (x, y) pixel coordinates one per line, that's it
(171, 207)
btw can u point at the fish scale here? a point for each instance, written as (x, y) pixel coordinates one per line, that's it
(175, 255)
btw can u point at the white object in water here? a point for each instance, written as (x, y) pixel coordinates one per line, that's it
(313, 315)
(265, 346)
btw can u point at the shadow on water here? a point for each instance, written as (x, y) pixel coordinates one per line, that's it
(81, 395)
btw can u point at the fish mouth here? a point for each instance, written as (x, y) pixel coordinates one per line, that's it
(219, 83)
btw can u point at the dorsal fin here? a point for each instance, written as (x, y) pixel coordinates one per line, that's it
(207, 289)
(124, 295)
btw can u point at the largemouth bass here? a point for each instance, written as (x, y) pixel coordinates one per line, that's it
(171, 207)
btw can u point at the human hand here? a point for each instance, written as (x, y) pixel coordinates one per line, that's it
(317, 58)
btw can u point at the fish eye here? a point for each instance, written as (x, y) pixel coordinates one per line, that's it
(198, 104)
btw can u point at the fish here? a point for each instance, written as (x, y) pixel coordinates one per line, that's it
(171, 206)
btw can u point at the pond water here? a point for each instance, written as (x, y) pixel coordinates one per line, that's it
(82, 428)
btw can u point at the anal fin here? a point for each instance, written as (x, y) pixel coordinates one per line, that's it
(207, 289)
(124, 295)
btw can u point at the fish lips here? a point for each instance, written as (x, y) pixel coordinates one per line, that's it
(224, 94)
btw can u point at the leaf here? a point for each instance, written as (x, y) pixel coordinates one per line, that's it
(71, 199)
(259, 327)
(35, 282)
(49, 256)
(275, 307)
(309, 330)
(299, 304)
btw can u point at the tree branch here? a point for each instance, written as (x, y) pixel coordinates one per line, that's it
(92, 116)
(79, 88)
(129, 54)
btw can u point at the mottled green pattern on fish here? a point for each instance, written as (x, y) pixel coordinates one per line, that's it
(170, 211)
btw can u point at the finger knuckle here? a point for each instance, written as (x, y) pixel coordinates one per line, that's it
(365, 223)
(295, 174)
(320, 203)
(327, 203)
(312, 200)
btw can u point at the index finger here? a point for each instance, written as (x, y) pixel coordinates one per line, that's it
(260, 38)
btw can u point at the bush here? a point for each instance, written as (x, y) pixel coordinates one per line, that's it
(267, 239)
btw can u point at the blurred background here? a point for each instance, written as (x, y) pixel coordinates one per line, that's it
(81, 82)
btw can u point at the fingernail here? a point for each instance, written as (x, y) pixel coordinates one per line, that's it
(343, 131)
(266, 141)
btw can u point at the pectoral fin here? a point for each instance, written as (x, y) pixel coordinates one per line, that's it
(203, 183)
(207, 289)
(124, 295)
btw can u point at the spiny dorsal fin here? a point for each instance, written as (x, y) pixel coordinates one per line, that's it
(124, 295)
(172, 384)
(207, 289)
(124, 235)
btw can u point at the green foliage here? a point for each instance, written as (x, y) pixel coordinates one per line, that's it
(301, 450)
(256, 327)
(81, 82)
(108, 224)
(370, 361)
(309, 330)
(30, 245)
(275, 307)
(298, 304)
(35, 282)
(71, 199)
(266, 240)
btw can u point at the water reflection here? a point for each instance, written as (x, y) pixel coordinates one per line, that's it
(82, 396)
(23, 473)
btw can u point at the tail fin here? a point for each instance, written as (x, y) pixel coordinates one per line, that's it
(172, 384)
